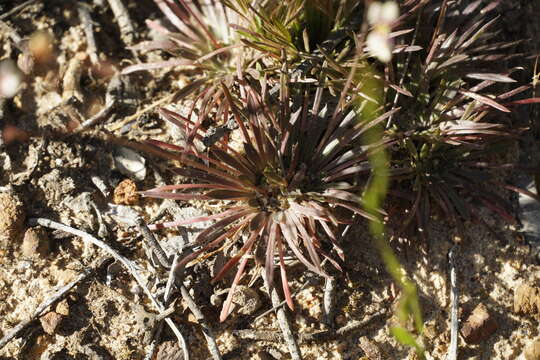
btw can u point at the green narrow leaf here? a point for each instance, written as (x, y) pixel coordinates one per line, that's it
(406, 338)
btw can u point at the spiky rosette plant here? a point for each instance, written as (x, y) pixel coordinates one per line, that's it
(297, 27)
(206, 48)
(453, 134)
(228, 42)
(299, 164)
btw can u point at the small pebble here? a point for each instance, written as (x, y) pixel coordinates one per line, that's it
(169, 350)
(370, 348)
(479, 325)
(35, 242)
(50, 322)
(527, 300)
(247, 299)
(532, 350)
(11, 219)
(130, 163)
(62, 308)
(94, 352)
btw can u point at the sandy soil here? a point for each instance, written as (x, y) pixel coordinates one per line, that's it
(74, 179)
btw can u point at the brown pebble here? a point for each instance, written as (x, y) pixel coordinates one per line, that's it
(370, 348)
(532, 350)
(247, 299)
(169, 350)
(527, 300)
(35, 242)
(126, 193)
(11, 219)
(62, 308)
(479, 325)
(50, 322)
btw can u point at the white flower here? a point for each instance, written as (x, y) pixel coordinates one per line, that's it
(382, 13)
(380, 17)
(379, 46)
(10, 79)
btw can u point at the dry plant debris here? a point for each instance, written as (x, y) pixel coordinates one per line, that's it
(125, 193)
(51, 169)
(35, 242)
(479, 325)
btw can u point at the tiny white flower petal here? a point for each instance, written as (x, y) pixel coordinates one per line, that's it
(389, 12)
(10, 79)
(379, 46)
(374, 13)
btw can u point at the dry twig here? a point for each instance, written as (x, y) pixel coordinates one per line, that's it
(71, 82)
(86, 21)
(207, 331)
(57, 296)
(128, 119)
(282, 303)
(324, 335)
(283, 321)
(175, 277)
(128, 264)
(329, 301)
(127, 31)
(101, 115)
(155, 248)
(16, 9)
(454, 300)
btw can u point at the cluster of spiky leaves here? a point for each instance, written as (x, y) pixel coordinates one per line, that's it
(295, 79)
(454, 133)
(298, 164)
(227, 42)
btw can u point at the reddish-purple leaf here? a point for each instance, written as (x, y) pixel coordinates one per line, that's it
(270, 251)
(195, 219)
(284, 281)
(523, 101)
(229, 194)
(156, 65)
(226, 310)
(491, 77)
(485, 100)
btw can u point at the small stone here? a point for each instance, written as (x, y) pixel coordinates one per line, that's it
(130, 163)
(532, 350)
(479, 325)
(126, 193)
(169, 350)
(50, 322)
(62, 308)
(247, 299)
(227, 342)
(11, 219)
(370, 348)
(35, 242)
(95, 352)
(527, 300)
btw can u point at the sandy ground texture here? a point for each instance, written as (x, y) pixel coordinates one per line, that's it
(89, 183)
